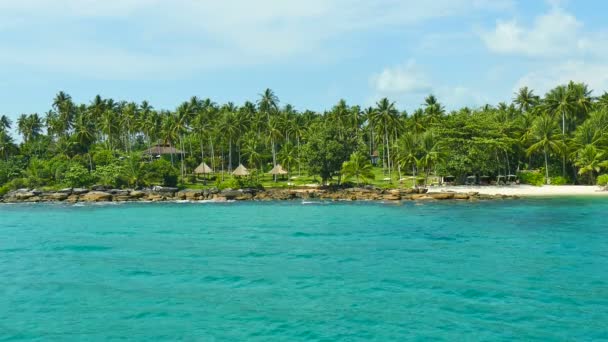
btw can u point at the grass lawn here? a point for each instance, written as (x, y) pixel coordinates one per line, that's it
(295, 180)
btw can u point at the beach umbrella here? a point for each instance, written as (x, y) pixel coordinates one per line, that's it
(203, 169)
(240, 171)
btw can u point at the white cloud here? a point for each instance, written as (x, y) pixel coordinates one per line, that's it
(142, 36)
(555, 33)
(408, 84)
(401, 79)
(594, 74)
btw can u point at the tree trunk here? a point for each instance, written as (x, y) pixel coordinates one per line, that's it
(230, 154)
(388, 154)
(546, 166)
(274, 157)
(564, 140)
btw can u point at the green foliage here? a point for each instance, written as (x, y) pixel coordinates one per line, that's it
(11, 169)
(565, 132)
(531, 177)
(110, 174)
(327, 148)
(103, 157)
(4, 189)
(77, 176)
(161, 171)
(238, 183)
(359, 167)
(602, 180)
(559, 180)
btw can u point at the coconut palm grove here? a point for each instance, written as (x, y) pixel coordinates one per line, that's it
(558, 138)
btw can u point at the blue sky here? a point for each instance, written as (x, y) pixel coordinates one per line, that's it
(311, 53)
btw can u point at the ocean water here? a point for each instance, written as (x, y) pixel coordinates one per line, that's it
(295, 271)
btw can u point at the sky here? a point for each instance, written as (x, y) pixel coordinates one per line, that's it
(311, 53)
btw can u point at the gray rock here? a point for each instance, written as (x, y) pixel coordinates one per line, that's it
(79, 191)
(230, 194)
(119, 192)
(96, 196)
(164, 189)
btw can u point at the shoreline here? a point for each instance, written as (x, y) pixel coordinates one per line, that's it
(168, 194)
(524, 190)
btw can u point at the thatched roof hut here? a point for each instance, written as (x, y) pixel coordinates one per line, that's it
(240, 171)
(278, 170)
(203, 169)
(162, 149)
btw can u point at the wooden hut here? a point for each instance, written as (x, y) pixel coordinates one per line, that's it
(162, 149)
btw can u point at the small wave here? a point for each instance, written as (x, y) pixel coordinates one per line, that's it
(82, 248)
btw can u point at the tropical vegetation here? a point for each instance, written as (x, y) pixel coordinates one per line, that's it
(556, 138)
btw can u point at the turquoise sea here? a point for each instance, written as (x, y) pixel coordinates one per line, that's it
(524, 270)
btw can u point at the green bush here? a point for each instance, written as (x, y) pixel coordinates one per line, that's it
(559, 180)
(77, 176)
(238, 183)
(602, 180)
(103, 157)
(531, 177)
(109, 174)
(4, 190)
(161, 171)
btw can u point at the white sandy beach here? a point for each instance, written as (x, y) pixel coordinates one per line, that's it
(527, 190)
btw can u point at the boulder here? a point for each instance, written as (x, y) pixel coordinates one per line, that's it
(418, 197)
(20, 195)
(441, 195)
(391, 197)
(461, 196)
(73, 198)
(79, 191)
(65, 191)
(155, 197)
(230, 194)
(164, 189)
(96, 196)
(58, 196)
(121, 198)
(189, 194)
(244, 196)
(137, 194)
(119, 192)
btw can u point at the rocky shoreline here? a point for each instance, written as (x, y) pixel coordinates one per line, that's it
(160, 194)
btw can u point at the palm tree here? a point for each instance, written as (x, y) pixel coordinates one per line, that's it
(358, 166)
(433, 109)
(431, 153)
(583, 102)
(544, 134)
(29, 126)
(230, 126)
(408, 149)
(385, 117)
(64, 106)
(525, 99)
(590, 160)
(269, 105)
(560, 101)
(5, 123)
(108, 125)
(288, 156)
(84, 134)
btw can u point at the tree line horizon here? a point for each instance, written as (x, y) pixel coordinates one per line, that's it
(561, 134)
